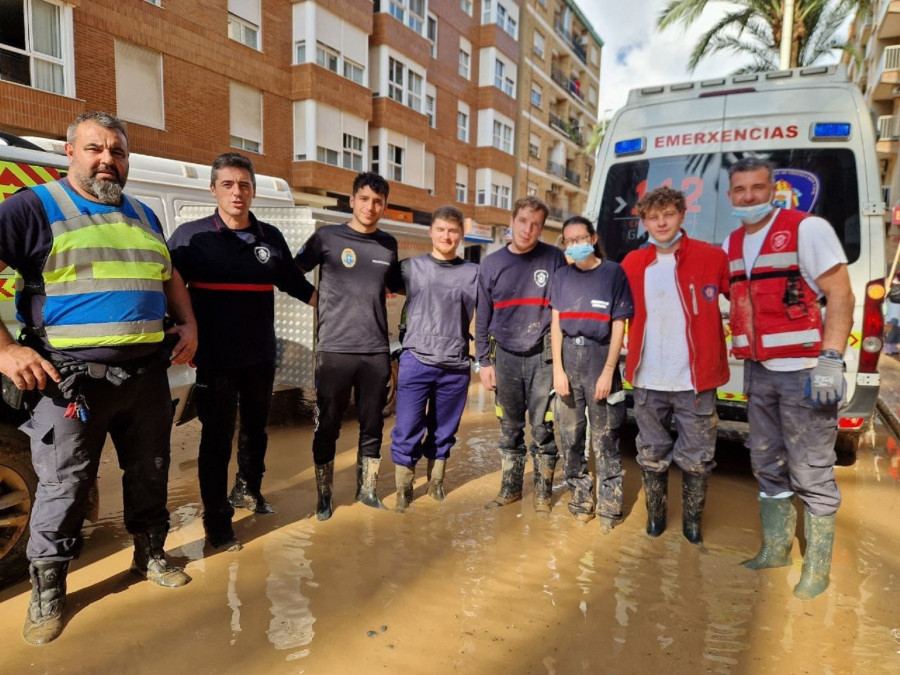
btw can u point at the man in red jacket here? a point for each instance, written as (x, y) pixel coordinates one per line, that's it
(676, 356)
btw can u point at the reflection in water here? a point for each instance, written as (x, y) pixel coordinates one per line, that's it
(729, 607)
(234, 602)
(584, 579)
(292, 621)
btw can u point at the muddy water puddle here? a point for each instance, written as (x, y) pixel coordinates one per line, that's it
(453, 587)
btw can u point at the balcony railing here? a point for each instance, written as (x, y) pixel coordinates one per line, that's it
(890, 58)
(573, 177)
(574, 42)
(889, 128)
(558, 76)
(556, 169)
(575, 88)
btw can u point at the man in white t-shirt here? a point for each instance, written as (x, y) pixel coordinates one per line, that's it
(782, 263)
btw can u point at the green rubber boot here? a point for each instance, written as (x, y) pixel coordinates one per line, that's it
(436, 478)
(779, 520)
(817, 561)
(513, 471)
(404, 477)
(367, 480)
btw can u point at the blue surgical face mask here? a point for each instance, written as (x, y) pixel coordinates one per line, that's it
(664, 244)
(579, 252)
(752, 214)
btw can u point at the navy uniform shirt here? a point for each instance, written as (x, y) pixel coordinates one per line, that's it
(588, 301)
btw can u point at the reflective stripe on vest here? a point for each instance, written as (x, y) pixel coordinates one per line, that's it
(103, 279)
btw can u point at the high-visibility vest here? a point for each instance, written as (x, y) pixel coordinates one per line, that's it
(103, 279)
(774, 313)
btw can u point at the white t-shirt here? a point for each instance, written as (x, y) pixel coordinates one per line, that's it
(818, 250)
(665, 361)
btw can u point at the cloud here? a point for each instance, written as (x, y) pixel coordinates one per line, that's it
(622, 53)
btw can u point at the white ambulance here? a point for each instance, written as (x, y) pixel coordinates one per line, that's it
(814, 126)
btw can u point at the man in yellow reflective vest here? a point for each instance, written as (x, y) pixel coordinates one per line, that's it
(94, 284)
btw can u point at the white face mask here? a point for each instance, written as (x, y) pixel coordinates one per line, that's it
(664, 244)
(752, 214)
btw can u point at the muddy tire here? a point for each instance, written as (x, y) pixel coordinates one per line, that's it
(18, 484)
(845, 448)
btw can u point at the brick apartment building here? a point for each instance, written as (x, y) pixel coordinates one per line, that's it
(472, 102)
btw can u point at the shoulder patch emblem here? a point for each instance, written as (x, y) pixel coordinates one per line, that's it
(348, 257)
(262, 254)
(710, 292)
(541, 277)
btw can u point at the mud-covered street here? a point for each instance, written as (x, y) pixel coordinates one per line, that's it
(453, 587)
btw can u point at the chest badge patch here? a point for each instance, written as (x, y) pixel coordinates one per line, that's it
(780, 240)
(348, 257)
(541, 277)
(710, 292)
(262, 254)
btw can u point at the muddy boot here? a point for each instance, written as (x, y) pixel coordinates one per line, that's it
(324, 484)
(219, 532)
(43, 620)
(656, 488)
(779, 520)
(246, 494)
(150, 560)
(405, 477)
(543, 481)
(817, 560)
(581, 503)
(436, 479)
(513, 467)
(693, 498)
(367, 481)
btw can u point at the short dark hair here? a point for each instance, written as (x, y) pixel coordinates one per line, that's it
(752, 163)
(530, 202)
(581, 220)
(100, 118)
(373, 181)
(232, 160)
(449, 213)
(660, 198)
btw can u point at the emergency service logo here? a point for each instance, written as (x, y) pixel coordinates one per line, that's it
(710, 292)
(780, 240)
(541, 277)
(262, 254)
(796, 189)
(348, 257)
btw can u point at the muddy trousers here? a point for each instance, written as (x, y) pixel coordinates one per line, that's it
(524, 383)
(367, 375)
(219, 391)
(791, 443)
(66, 455)
(695, 420)
(583, 361)
(420, 386)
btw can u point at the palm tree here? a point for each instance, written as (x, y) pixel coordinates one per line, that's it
(754, 28)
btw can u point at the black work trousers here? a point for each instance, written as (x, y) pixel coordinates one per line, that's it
(336, 375)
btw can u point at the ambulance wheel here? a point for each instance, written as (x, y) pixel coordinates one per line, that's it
(846, 447)
(18, 484)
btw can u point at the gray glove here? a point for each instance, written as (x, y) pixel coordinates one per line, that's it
(826, 385)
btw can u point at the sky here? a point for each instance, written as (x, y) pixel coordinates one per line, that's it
(636, 55)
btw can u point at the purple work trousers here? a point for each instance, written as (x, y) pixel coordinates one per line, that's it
(418, 387)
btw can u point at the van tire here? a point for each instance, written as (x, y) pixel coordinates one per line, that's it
(846, 447)
(18, 484)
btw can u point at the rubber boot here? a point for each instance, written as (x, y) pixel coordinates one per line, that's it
(324, 485)
(246, 494)
(817, 560)
(150, 559)
(693, 498)
(581, 503)
(436, 479)
(656, 488)
(219, 532)
(404, 477)
(367, 481)
(779, 520)
(543, 481)
(513, 472)
(43, 620)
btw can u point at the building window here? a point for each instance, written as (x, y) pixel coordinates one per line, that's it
(534, 146)
(246, 113)
(461, 192)
(432, 34)
(397, 10)
(537, 95)
(503, 136)
(375, 159)
(499, 15)
(466, 6)
(414, 93)
(395, 163)
(243, 31)
(501, 81)
(326, 156)
(532, 189)
(462, 126)
(464, 62)
(300, 51)
(139, 85)
(353, 153)
(414, 17)
(353, 71)
(429, 110)
(404, 85)
(327, 57)
(499, 196)
(33, 34)
(538, 46)
(395, 80)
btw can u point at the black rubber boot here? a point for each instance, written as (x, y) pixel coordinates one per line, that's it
(246, 494)
(43, 620)
(693, 498)
(219, 532)
(817, 560)
(436, 478)
(543, 481)
(324, 485)
(367, 481)
(404, 477)
(779, 521)
(150, 559)
(513, 468)
(656, 487)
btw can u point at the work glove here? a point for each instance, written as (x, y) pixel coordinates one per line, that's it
(826, 385)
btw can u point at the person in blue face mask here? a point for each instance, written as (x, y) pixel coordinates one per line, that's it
(591, 301)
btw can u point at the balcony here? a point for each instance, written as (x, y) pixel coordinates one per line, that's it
(888, 136)
(570, 129)
(574, 42)
(573, 177)
(557, 75)
(556, 169)
(887, 83)
(575, 88)
(888, 21)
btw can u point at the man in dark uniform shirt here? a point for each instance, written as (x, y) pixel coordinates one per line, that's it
(356, 263)
(232, 262)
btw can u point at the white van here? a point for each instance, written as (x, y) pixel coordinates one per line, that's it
(815, 127)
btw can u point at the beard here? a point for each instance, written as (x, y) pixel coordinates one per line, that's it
(106, 191)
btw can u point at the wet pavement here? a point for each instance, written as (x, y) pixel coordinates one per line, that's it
(455, 588)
